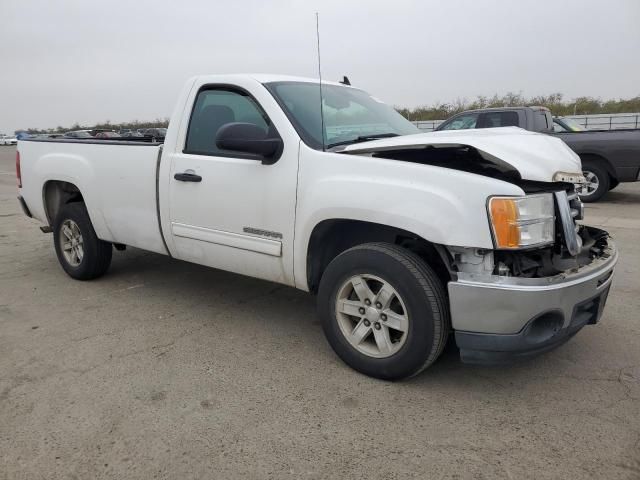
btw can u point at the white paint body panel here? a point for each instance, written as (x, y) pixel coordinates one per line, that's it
(234, 194)
(118, 183)
(234, 240)
(535, 155)
(441, 205)
(205, 222)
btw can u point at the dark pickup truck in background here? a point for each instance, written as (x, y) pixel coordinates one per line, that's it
(608, 156)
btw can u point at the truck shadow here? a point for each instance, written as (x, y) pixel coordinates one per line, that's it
(625, 193)
(271, 311)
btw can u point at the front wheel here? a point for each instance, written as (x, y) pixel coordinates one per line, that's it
(80, 252)
(384, 311)
(598, 182)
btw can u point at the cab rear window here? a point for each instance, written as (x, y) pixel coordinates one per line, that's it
(498, 119)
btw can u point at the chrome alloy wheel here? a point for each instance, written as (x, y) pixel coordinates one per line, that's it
(591, 184)
(372, 316)
(71, 243)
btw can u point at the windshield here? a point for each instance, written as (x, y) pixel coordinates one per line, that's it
(350, 115)
(572, 125)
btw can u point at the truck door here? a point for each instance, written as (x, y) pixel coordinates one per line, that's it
(227, 209)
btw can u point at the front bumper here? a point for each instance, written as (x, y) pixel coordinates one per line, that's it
(499, 319)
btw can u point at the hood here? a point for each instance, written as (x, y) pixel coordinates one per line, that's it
(535, 156)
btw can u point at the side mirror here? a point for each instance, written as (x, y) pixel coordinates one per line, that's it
(249, 138)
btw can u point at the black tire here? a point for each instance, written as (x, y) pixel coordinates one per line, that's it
(97, 253)
(423, 295)
(603, 178)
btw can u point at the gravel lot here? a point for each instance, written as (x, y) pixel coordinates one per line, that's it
(163, 369)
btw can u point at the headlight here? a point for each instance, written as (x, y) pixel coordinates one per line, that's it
(520, 222)
(569, 177)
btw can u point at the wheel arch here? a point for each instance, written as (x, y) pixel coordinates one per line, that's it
(596, 157)
(331, 237)
(55, 194)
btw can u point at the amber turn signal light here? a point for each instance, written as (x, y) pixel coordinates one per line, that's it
(504, 216)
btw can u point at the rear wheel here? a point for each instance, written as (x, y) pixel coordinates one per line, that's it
(598, 182)
(384, 311)
(80, 252)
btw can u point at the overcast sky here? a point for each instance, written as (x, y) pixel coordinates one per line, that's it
(85, 61)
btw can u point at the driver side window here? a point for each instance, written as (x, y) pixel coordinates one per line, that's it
(462, 122)
(215, 108)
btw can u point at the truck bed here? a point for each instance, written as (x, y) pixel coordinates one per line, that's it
(117, 178)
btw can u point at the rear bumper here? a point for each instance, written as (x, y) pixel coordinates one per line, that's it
(502, 319)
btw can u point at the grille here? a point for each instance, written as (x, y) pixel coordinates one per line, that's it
(577, 207)
(570, 209)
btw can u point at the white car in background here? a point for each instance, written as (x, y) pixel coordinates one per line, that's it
(6, 140)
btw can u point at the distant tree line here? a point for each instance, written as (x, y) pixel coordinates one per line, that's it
(106, 125)
(437, 111)
(554, 102)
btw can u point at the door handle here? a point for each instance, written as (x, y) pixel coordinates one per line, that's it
(188, 176)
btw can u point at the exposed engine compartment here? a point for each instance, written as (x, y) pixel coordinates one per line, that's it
(460, 157)
(552, 260)
(533, 263)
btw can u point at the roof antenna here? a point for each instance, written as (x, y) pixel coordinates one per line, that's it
(345, 80)
(320, 84)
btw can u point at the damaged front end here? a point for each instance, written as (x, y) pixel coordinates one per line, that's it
(510, 304)
(547, 275)
(574, 245)
(553, 260)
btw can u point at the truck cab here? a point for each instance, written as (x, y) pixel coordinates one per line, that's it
(535, 119)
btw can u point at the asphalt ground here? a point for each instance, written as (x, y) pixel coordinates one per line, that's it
(164, 369)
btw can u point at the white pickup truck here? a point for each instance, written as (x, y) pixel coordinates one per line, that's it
(405, 237)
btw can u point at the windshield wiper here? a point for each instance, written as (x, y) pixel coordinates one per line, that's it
(364, 138)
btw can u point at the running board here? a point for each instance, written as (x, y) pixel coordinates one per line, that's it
(46, 229)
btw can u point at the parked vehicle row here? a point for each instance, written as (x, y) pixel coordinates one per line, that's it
(608, 156)
(78, 134)
(145, 134)
(157, 133)
(407, 238)
(8, 140)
